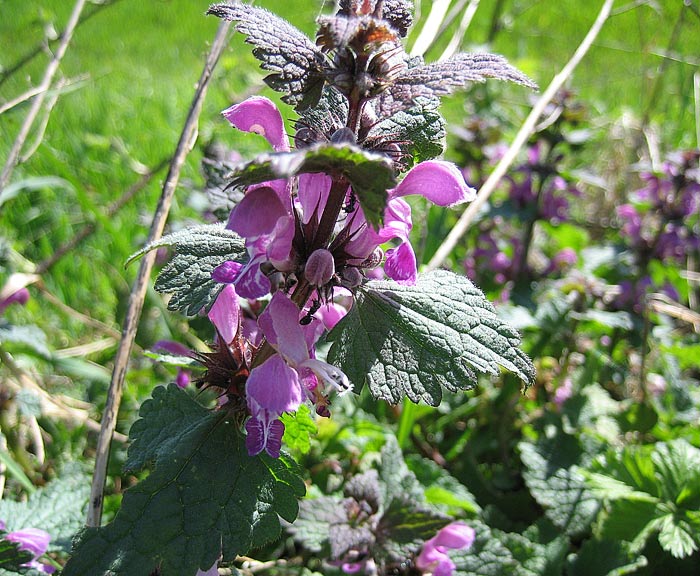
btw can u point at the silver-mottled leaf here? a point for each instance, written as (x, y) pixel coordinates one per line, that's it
(294, 60)
(415, 340)
(440, 78)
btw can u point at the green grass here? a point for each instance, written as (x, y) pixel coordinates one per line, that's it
(141, 61)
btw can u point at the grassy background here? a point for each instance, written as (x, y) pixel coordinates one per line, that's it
(136, 64)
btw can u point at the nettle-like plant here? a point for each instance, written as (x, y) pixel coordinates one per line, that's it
(299, 258)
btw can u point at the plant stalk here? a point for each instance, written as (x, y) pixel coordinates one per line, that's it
(138, 292)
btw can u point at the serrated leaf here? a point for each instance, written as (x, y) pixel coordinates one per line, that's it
(441, 488)
(439, 78)
(324, 119)
(677, 536)
(58, 508)
(404, 527)
(415, 340)
(369, 174)
(554, 480)
(535, 554)
(604, 558)
(204, 497)
(11, 557)
(298, 429)
(316, 516)
(29, 336)
(486, 557)
(397, 481)
(294, 60)
(198, 250)
(420, 130)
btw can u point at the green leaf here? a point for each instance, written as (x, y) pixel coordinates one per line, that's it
(198, 250)
(295, 62)
(404, 527)
(298, 429)
(537, 551)
(604, 558)
(29, 336)
(677, 536)
(442, 489)
(416, 340)
(621, 320)
(15, 470)
(553, 477)
(316, 516)
(59, 508)
(420, 130)
(205, 497)
(398, 482)
(369, 174)
(11, 557)
(486, 557)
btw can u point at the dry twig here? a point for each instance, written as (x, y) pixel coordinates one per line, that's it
(520, 139)
(138, 292)
(43, 88)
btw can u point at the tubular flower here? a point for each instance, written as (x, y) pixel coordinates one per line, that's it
(34, 541)
(433, 558)
(282, 381)
(270, 219)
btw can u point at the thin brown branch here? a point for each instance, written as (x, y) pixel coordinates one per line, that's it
(520, 139)
(38, 101)
(138, 292)
(41, 131)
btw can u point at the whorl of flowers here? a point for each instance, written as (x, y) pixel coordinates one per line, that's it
(313, 232)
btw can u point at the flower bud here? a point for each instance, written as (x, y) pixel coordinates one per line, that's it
(320, 267)
(351, 277)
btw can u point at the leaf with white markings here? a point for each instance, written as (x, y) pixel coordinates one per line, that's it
(415, 340)
(370, 175)
(294, 60)
(205, 497)
(198, 250)
(419, 130)
(439, 78)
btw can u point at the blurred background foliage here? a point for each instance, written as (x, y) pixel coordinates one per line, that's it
(127, 82)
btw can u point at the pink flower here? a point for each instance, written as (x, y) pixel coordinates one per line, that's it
(433, 557)
(21, 296)
(440, 182)
(267, 216)
(35, 542)
(281, 382)
(564, 392)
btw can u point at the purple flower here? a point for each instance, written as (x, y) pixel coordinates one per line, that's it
(225, 314)
(282, 381)
(440, 182)
(20, 296)
(267, 216)
(433, 557)
(35, 542)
